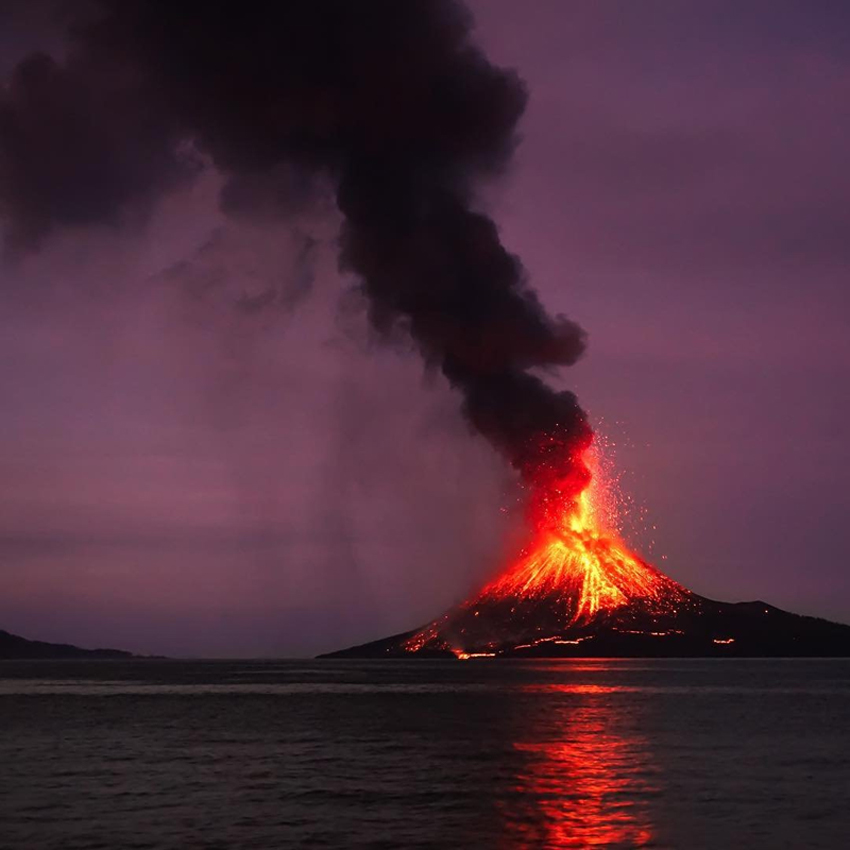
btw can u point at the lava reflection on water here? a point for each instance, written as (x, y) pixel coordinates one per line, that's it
(587, 785)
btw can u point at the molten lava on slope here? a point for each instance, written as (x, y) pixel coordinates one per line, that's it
(576, 571)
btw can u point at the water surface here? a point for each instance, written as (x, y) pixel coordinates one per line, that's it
(396, 754)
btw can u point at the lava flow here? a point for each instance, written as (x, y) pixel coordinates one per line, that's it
(575, 570)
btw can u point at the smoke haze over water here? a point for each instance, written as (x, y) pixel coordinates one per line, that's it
(185, 475)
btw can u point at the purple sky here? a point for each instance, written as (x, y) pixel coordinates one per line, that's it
(181, 477)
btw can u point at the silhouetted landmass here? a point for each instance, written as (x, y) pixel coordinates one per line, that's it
(391, 647)
(16, 647)
(701, 628)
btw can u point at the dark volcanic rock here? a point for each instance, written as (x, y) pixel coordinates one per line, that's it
(14, 646)
(387, 648)
(701, 628)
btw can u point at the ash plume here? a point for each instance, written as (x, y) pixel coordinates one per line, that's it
(390, 101)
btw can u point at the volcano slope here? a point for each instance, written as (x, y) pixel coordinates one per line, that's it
(578, 591)
(697, 627)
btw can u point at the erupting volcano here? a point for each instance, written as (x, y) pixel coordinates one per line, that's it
(574, 571)
(392, 110)
(576, 589)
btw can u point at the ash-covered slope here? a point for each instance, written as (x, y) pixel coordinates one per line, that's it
(16, 647)
(699, 628)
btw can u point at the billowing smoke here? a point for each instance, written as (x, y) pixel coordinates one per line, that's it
(389, 101)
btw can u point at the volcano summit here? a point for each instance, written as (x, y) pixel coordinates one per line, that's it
(577, 590)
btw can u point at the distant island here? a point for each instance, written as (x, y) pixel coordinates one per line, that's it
(16, 647)
(576, 590)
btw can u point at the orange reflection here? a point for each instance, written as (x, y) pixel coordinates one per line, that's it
(586, 784)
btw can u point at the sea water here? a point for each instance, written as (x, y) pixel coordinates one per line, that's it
(438, 754)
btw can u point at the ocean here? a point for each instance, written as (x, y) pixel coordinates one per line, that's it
(424, 754)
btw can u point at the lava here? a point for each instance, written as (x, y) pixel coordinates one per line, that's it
(584, 563)
(575, 568)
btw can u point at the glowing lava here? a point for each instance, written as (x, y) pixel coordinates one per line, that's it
(575, 570)
(588, 567)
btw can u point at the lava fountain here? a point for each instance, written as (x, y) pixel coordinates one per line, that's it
(578, 557)
(574, 570)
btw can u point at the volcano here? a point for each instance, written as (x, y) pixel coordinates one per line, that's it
(577, 590)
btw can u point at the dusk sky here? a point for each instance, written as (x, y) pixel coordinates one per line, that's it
(204, 450)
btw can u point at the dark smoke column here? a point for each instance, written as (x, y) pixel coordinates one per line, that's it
(391, 99)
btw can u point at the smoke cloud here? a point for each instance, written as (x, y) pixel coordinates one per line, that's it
(391, 102)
